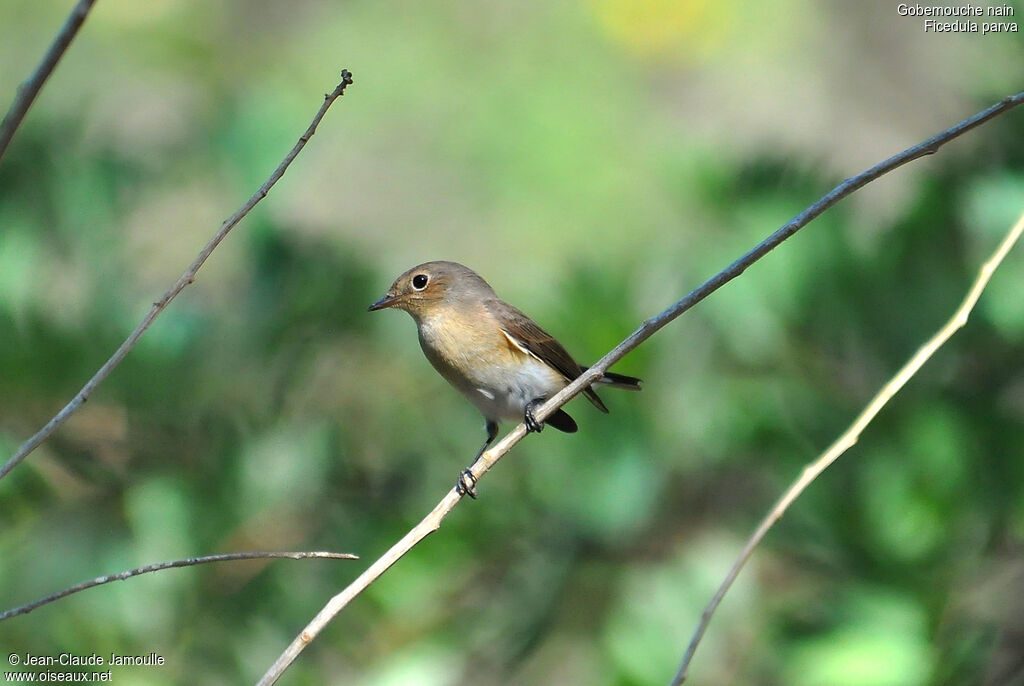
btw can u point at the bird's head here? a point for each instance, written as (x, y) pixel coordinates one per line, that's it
(433, 284)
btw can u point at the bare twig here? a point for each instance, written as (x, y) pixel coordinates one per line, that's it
(157, 566)
(430, 524)
(850, 436)
(489, 458)
(186, 278)
(28, 91)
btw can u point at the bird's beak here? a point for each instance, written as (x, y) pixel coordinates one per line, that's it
(388, 300)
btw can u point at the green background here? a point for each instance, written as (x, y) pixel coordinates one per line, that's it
(594, 160)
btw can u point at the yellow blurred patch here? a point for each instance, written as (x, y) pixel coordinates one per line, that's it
(667, 29)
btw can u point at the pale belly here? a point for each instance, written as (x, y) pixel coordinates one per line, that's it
(503, 393)
(498, 380)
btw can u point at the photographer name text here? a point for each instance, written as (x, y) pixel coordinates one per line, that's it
(91, 660)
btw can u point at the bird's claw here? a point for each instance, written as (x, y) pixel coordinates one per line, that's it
(532, 424)
(466, 484)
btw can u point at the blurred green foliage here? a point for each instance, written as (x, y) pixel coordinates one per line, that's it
(595, 161)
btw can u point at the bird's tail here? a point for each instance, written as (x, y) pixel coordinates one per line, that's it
(613, 380)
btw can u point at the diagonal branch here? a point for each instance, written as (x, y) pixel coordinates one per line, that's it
(186, 278)
(157, 566)
(850, 436)
(847, 187)
(432, 522)
(28, 91)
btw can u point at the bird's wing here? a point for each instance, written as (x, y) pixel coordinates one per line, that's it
(528, 337)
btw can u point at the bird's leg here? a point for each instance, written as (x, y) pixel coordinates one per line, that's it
(531, 422)
(466, 483)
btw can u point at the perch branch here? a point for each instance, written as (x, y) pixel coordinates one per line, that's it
(432, 521)
(157, 566)
(186, 278)
(850, 436)
(28, 91)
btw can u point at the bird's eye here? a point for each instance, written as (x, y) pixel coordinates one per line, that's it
(419, 282)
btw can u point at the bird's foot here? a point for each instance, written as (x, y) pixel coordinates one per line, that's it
(532, 424)
(466, 484)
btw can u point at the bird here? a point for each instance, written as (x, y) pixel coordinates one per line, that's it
(502, 361)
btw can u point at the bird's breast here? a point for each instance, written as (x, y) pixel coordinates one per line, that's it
(478, 359)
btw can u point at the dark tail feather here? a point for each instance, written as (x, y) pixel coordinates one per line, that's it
(613, 380)
(562, 421)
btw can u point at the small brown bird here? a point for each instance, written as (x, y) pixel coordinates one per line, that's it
(495, 355)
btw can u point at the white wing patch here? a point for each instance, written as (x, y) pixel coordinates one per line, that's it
(519, 346)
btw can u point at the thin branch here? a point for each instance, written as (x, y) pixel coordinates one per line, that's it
(186, 278)
(157, 566)
(28, 91)
(851, 435)
(432, 522)
(847, 187)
